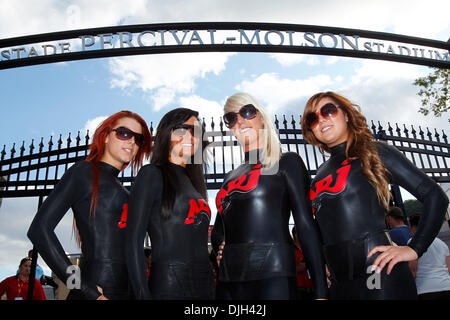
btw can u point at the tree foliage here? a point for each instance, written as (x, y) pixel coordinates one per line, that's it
(434, 91)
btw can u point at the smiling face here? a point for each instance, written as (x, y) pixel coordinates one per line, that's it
(249, 132)
(25, 268)
(119, 152)
(185, 141)
(331, 130)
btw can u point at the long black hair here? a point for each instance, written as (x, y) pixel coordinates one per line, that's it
(160, 158)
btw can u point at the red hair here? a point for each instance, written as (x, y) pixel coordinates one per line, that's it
(97, 148)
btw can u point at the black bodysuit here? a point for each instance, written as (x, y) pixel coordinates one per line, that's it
(352, 222)
(253, 219)
(102, 235)
(180, 266)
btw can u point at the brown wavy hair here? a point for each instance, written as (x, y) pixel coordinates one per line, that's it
(360, 143)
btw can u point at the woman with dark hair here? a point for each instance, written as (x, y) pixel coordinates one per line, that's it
(168, 200)
(99, 204)
(350, 196)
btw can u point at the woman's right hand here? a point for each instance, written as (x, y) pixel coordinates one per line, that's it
(101, 297)
(219, 253)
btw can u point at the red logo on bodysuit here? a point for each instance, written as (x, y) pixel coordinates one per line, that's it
(244, 183)
(123, 219)
(196, 208)
(324, 185)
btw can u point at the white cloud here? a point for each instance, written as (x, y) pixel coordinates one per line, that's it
(277, 93)
(290, 59)
(206, 108)
(164, 76)
(385, 92)
(412, 17)
(92, 125)
(17, 215)
(379, 71)
(31, 17)
(162, 97)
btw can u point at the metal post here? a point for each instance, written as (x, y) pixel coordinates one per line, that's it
(34, 258)
(398, 201)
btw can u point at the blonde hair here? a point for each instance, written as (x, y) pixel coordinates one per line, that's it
(360, 143)
(271, 151)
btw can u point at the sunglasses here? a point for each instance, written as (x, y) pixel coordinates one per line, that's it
(123, 133)
(326, 111)
(247, 112)
(181, 129)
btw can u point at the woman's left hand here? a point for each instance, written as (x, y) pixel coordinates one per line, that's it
(391, 255)
(101, 297)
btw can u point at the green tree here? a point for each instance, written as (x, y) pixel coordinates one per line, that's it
(434, 91)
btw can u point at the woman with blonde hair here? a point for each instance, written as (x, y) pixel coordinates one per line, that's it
(251, 232)
(350, 196)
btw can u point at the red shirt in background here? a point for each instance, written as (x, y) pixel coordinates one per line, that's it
(16, 288)
(302, 276)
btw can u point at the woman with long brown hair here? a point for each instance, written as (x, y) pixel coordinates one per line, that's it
(99, 204)
(350, 196)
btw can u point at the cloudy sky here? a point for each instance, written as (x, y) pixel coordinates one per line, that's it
(53, 99)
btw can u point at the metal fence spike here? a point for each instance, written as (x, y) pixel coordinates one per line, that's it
(432, 152)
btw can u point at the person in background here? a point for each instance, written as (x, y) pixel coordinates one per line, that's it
(148, 260)
(16, 287)
(304, 283)
(399, 231)
(39, 274)
(432, 269)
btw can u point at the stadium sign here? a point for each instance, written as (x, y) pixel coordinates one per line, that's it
(220, 37)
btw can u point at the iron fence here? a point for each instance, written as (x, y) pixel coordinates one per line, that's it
(27, 172)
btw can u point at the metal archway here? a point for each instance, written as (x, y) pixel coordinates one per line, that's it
(219, 37)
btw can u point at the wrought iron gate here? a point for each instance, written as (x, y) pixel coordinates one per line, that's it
(26, 172)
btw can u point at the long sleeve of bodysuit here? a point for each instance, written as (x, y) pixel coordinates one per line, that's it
(405, 174)
(217, 234)
(145, 197)
(297, 181)
(41, 231)
(218, 231)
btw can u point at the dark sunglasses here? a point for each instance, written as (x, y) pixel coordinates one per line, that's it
(123, 133)
(181, 129)
(247, 112)
(326, 111)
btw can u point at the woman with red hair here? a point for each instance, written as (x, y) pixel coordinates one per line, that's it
(100, 205)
